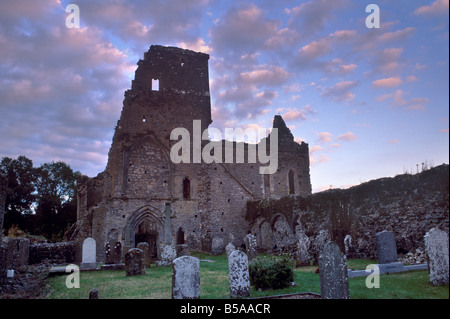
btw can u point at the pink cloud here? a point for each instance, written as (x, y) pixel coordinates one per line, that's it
(437, 7)
(398, 99)
(295, 114)
(269, 76)
(397, 35)
(325, 137)
(388, 82)
(395, 141)
(341, 91)
(349, 136)
(411, 78)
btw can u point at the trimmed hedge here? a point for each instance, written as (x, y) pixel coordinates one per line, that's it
(271, 272)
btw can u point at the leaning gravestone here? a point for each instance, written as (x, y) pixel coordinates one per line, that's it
(386, 247)
(134, 262)
(186, 278)
(436, 245)
(145, 247)
(89, 251)
(250, 244)
(238, 274)
(333, 273)
(229, 249)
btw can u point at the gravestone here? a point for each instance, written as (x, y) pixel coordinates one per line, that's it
(436, 245)
(168, 254)
(266, 237)
(93, 294)
(134, 262)
(318, 244)
(348, 245)
(302, 257)
(145, 247)
(333, 273)
(108, 254)
(238, 274)
(250, 244)
(186, 278)
(386, 247)
(89, 253)
(229, 249)
(217, 245)
(117, 252)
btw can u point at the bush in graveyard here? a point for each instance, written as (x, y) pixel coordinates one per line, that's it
(271, 272)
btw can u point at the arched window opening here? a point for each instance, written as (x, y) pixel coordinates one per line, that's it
(180, 236)
(291, 182)
(186, 188)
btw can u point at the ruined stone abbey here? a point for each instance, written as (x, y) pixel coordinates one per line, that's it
(142, 196)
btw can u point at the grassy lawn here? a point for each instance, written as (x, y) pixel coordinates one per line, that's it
(157, 283)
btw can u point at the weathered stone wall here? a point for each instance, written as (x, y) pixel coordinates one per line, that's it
(408, 205)
(53, 253)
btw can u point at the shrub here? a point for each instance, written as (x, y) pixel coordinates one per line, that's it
(271, 272)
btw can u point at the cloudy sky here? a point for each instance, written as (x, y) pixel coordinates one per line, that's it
(370, 103)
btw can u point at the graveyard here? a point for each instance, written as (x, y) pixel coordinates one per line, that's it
(214, 283)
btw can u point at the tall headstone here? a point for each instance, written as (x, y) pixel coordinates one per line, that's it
(436, 245)
(386, 247)
(333, 273)
(145, 247)
(186, 278)
(250, 244)
(89, 254)
(238, 274)
(134, 262)
(302, 257)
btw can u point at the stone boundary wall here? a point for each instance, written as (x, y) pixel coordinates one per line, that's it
(408, 205)
(54, 253)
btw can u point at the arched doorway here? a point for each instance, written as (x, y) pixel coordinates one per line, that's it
(144, 225)
(147, 232)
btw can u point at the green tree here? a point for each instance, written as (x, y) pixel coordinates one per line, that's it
(20, 190)
(56, 199)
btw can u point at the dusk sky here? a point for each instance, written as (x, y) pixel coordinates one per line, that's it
(370, 103)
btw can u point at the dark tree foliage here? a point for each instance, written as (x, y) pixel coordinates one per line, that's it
(20, 189)
(42, 200)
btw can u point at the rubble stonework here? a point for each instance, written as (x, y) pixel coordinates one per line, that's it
(127, 202)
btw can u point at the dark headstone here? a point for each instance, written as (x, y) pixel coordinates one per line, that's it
(386, 247)
(134, 262)
(145, 247)
(93, 294)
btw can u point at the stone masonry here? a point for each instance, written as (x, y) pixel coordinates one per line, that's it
(129, 200)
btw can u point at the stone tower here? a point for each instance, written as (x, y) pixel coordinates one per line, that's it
(144, 196)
